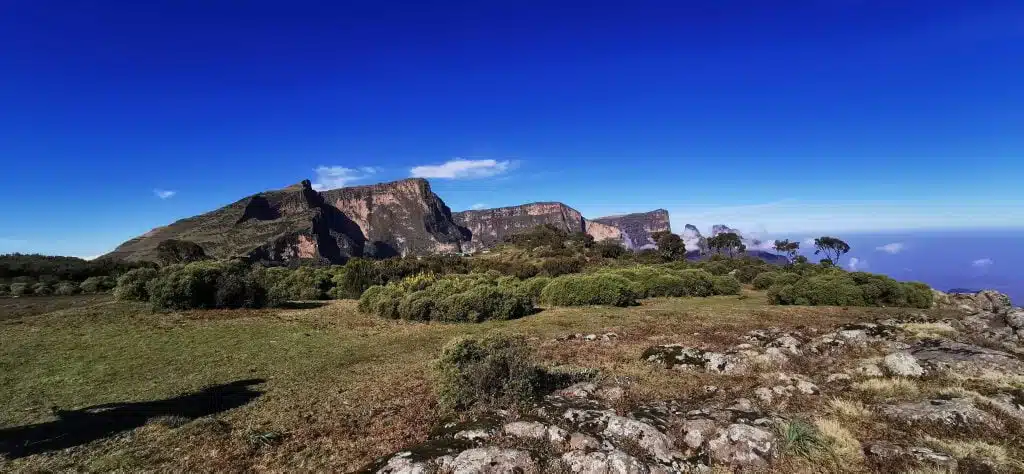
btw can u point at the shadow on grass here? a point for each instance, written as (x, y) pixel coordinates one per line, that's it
(303, 304)
(77, 427)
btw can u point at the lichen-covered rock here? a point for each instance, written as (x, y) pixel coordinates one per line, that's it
(659, 445)
(965, 359)
(902, 364)
(403, 463)
(598, 462)
(493, 460)
(526, 429)
(742, 445)
(953, 413)
(891, 457)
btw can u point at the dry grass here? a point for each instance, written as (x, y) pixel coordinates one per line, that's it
(844, 447)
(887, 388)
(929, 330)
(976, 452)
(342, 388)
(851, 410)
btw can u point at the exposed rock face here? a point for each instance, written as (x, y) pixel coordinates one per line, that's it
(637, 228)
(398, 218)
(489, 227)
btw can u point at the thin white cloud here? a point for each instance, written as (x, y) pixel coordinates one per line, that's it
(893, 248)
(91, 257)
(982, 263)
(333, 177)
(462, 169)
(478, 206)
(809, 242)
(164, 193)
(855, 264)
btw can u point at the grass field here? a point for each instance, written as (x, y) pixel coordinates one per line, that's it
(339, 388)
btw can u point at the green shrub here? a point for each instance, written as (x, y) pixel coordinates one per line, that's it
(358, 275)
(97, 284)
(41, 289)
(826, 289)
(764, 280)
(65, 288)
(19, 289)
(5, 289)
(663, 285)
(192, 286)
(493, 371)
(238, 290)
(132, 285)
(368, 300)
(716, 267)
(726, 285)
(596, 289)
(481, 303)
(385, 302)
(416, 306)
(533, 287)
(918, 295)
(697, 283)
(303, 283)
(562, 266)
(748, 272)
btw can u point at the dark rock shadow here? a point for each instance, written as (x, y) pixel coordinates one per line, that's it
(78, 427)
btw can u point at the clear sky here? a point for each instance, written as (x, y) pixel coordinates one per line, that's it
(796, 116)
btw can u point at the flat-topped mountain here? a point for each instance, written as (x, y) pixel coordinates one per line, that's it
(637, 228)
(397, 218)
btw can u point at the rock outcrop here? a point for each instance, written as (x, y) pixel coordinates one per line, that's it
(637, 228)
(397, 218)
(490, 227)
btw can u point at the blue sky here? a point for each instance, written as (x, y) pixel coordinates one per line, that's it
(793, 117)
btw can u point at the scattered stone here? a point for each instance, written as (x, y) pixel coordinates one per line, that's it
(477, 434)
(953, 413)
(902, 364)
(526, 429)
(493, 460)
(838, 378)
(889, 455)
(402, 463)
(698, 431)
(868, 368)
(600, 462)
(742, 445)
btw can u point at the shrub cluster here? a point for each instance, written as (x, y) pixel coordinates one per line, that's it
(197, 285)
(675, 280)
(838, 288)
(495, 370)
(592, 289)
(454, 298)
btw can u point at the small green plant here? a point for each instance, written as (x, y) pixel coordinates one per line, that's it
(801, 439)
(492, 371)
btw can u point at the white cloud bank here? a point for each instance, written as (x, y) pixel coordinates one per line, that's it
(893, 248)
(982, 263)
(856, 264)
(462, 169)
(164, 193)
(333, 177)
(478, 206)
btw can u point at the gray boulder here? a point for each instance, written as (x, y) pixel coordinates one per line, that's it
(742, 445)
(493, 460)
(901, 364)
(954, 413)
(656, 443)
(892, 456)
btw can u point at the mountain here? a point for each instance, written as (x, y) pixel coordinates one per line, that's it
(489, 227)
(637, 228)
(397, 218)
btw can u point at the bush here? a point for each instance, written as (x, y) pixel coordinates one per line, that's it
(765, 280)
(132, 285)
(65, 288)
(533, 287)
(171, 251)
(19, 289)
(192, 286)
(358, 275)
(368, 300)
(493, 371)
(829, 289)
(664, 285)
(609, 248)
(597, 289)
(41, 289)
(562, 266)
(97, 284)
(237, 290)
(416, 306)
(697, 283)
(483, 302)
(918, 295)
(726, 285)
(5, 289)
(303, 283)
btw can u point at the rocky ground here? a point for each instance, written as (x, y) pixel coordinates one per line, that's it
(894, 395)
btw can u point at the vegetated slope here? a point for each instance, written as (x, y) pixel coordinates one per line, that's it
(397, 218)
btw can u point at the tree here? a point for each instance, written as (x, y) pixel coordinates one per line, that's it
(832, 247)
(788, 248)
(609, 248)
(670, 246)
(173, 251)
(730, 242)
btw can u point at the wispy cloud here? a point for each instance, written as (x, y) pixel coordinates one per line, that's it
(478, 206)
(164, 193)
(893, 248)
(463, 169)
(333, 177)
(982, 263)
(856, 264)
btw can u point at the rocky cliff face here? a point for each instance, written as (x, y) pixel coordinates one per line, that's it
(489, 227)
(637, 228)
(398, 218)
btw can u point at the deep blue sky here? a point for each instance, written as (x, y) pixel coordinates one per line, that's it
(799, 116)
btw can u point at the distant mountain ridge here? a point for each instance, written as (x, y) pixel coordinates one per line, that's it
(381, 220)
